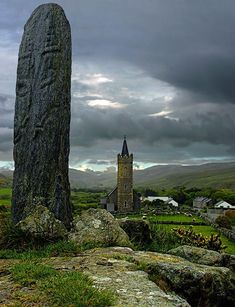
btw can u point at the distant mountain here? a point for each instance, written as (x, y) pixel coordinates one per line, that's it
(90, 179)
(216, 175)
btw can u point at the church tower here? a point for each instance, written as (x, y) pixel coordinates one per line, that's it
(125, 202)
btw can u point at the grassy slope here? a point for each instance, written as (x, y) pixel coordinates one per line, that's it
(208, 175)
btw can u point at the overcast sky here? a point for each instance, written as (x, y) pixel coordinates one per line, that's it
(161, 72)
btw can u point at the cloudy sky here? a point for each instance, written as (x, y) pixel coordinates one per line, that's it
(161, 72)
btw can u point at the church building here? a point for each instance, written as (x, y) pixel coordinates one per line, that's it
(123, 198)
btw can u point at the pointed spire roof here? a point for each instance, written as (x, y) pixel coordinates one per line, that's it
(125, 148)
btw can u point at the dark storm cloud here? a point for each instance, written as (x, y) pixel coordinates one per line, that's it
(189, 44)
(184, 50)
(213, 128)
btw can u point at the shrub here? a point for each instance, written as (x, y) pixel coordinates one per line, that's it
(190, 237)
(11, 236)
(162, 239)
(223, 221)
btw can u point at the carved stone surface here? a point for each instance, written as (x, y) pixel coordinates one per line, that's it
(42, 115)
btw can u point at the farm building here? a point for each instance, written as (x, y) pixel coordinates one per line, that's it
(201, 202)
(223, 204)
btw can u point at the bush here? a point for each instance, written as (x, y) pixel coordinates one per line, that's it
(162, 240)
(190, 237)
(223, 221)
(11, 236)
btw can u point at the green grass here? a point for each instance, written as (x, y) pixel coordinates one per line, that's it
(5, 196)
(5, 191)
(163, 238)
(60, 248)
(61, 288)
(175, 218)
(5, 202)
(85, 200)
(167, 218)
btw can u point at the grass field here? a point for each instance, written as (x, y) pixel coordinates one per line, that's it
(168, 218)
(5, 196)
(175, 218)
(80, 200)
(85, 200)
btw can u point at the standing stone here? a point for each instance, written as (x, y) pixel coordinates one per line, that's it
(42, 116)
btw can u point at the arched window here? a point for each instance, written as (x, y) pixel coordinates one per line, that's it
(125, 203)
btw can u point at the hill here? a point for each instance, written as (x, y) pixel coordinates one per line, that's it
(216, 175)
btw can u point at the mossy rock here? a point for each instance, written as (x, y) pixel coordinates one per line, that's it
(201, 255)
(98, 227)
(42, 223)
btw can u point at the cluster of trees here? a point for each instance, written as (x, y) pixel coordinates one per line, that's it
(186, 195)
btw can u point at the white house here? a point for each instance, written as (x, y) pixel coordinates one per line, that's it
(165, 199)
(223, 204)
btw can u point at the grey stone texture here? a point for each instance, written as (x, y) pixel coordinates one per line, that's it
(98, 227)
(42, 116)
(201, 255)
(42, 223)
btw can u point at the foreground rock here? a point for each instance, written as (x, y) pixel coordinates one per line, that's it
(136, 278)
(200, 285)
(201, 255)
(42, 223)
(98, 226)
(137, 230)
(132, 287)
(42, 115)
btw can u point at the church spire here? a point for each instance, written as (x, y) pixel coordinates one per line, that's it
(125, 148)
